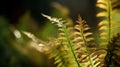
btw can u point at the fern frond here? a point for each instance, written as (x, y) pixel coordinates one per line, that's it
(67, 51)
(82, 31)
(108, 26)
(83, 44)
(113, 52)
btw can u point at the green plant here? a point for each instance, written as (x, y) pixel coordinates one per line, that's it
(75, 46)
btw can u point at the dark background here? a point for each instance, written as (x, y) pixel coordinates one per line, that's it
(13, 9)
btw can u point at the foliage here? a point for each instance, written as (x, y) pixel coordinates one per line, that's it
(75, 44)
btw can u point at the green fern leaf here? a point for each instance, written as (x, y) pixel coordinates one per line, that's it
(108, 26)
(66, 51)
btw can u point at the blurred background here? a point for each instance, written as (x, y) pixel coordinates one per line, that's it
(25, 15)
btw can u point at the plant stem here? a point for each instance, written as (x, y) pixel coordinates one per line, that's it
(109, 19)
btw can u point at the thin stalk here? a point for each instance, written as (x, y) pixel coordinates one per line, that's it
(109, 9)
(109, 19)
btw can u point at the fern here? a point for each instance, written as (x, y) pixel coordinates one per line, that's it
(65, 42)
(83, 41)
(108, 26)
